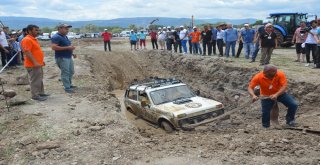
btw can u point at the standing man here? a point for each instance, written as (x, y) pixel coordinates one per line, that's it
(170, 38)
(220, 34)
(63, 55)
(189, 39)
(177, 41)
(142, 37)
(33, 62)
(183, 35)
(196, 37)
(230, 38)
(273, 87)
(257, 41)
(162, 38)
(214, 39)
(268, 43)
(311, 42)
(247, 35)
(106, 39)
(133, 40)
(5, 49)
(298, 38)
(154, 37)
(206, 36)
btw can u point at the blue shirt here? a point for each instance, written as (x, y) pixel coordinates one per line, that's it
(62, 41)
(214, 33)
(133, 37)
(247, 35)
(142, 36)
(230, 35)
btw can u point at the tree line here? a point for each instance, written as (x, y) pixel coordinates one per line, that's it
(90, 28)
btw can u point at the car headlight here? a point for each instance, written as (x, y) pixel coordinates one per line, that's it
(181, 115)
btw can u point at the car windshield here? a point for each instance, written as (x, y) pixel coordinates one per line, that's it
(171, 94)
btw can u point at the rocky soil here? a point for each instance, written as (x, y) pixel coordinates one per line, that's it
(92, 127)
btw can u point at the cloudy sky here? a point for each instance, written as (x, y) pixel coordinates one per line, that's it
(74, 10)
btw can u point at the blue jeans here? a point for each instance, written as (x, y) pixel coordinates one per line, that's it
(231, 44)
(196, 48)
(248, 49)
(286, 100)
(184, 45)
(256, 50)
(67, 70)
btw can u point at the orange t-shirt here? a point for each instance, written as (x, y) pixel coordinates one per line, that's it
(195, 36)
(31, 44)
(269, 86)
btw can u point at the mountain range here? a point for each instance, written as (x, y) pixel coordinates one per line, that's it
(20, 22)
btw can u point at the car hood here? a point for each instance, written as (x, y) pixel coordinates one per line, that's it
(196, 104)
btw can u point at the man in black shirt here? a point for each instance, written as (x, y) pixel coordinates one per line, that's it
(206, 36)
(177, 41)
(268, 43)
(170, 39)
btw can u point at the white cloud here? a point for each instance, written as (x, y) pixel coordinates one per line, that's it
(101, 9)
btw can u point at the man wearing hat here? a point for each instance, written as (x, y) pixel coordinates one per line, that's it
(247, 36)
(106, 39)
(196, 37)
(183, 35)
(63, 55)
(257, 41)
(268, 43)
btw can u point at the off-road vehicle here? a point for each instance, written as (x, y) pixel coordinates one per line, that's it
(170, 104)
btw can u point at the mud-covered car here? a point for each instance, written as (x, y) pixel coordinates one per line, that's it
(170, 104)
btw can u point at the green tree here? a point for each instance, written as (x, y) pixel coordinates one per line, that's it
(46, 30)
(258, 22)
(132, 26)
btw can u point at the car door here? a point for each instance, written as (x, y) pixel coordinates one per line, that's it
(147, 112)
(132, 101)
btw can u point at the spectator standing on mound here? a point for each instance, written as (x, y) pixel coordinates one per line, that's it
(106, 39)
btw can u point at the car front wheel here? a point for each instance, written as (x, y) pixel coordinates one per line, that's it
(167, 126)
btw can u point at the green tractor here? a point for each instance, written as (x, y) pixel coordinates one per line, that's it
(285, 24)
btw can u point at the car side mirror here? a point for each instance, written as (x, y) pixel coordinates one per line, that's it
(197, 92)
(144, 103)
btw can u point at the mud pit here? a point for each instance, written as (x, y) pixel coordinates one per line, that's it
(92, 128)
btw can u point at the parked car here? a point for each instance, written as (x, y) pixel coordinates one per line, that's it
(79, 36)
(44, 36)
(91, 35)
(170, 104)
(125, 34)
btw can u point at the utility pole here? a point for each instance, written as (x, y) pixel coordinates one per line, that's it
(192, 21)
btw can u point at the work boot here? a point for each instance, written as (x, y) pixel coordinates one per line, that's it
(39, 98)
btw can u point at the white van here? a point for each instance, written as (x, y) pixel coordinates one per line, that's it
(125, 34)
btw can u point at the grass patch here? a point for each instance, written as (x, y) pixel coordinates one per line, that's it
(45, 134)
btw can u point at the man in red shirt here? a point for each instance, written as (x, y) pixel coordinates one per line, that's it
(154, 36)
(106, 39)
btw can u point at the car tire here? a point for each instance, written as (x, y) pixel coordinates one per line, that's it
(167, 126)
(131, 111)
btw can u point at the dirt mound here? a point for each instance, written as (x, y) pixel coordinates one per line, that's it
(90, 127)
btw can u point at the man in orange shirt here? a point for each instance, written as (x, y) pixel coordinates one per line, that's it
(34, 62)
(273, 86)
(195, 41)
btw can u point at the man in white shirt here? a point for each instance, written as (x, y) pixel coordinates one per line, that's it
(311, 43)
(220, 34)
(183, 35)
(5, 47)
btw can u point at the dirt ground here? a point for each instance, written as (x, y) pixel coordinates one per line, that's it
(92, 126)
